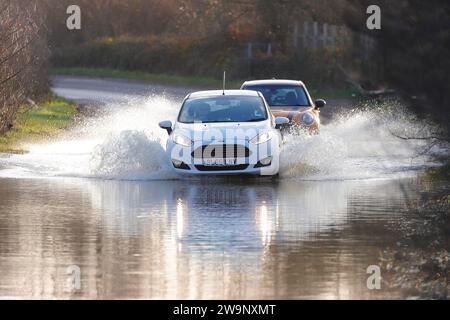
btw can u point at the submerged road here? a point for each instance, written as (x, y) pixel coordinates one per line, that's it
(192, 239)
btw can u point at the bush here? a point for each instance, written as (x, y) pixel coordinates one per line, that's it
(207, 57)
(317, 68)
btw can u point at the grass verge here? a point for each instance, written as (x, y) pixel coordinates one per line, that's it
(437, 173)
(169, 79)
(192, 81)
(34, 123)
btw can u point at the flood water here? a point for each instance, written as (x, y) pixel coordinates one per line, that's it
(101, 205)
(216, 239)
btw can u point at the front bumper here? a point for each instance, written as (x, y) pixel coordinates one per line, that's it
(248, 164)
(251, 169)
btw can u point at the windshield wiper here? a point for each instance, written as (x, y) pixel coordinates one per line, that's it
(218, 121)
(228, 121)
(290, 105)
(255, 120)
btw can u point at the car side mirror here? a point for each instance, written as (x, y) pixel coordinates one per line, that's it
(167, 125)
(279, 121)
(320, 103)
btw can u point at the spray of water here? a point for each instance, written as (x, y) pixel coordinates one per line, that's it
(126, 143)
(362, 143)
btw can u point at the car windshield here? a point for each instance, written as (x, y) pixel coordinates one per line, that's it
(282, 95)
(223, 109)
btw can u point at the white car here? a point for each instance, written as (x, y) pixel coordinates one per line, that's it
(224, 132)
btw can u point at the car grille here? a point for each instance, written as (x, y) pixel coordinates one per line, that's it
(222, 151)
(222, 168)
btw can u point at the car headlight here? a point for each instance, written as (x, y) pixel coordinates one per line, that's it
(182, 140)
(307, 118)
(261, 138)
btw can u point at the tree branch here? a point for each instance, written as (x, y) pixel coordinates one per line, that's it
(431, 137)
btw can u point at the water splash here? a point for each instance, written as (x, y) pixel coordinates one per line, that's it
(130, 155)
(360, 144)
(126, 143)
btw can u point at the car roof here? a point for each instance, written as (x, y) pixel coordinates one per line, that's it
(215, 93)
(274, 82)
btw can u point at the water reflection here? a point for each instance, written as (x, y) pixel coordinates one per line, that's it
(195, 239)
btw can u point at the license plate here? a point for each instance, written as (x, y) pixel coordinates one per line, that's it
(219, 162)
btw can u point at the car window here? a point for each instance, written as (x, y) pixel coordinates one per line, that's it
(282, 95)
(223, 109)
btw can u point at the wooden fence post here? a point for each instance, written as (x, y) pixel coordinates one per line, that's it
(249, 50)
(315, 34)
(333, 35)
(269, 49)
(325, 35)
(295, 34)
(305, 34)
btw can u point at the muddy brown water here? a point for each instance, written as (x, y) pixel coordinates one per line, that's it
(206, 239)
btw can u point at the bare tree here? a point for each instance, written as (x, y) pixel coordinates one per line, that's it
(23, 55)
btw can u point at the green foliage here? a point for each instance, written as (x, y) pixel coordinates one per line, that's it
(152, 54)
(201, 61)
(317, 68)
(162, 78)
(36, 123)
(438, 173)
